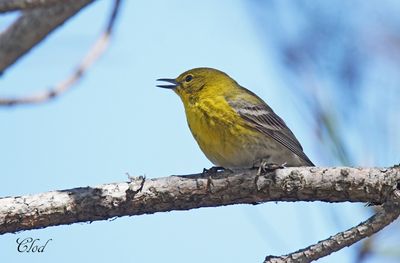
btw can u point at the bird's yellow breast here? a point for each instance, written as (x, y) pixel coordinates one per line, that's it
(219, 131)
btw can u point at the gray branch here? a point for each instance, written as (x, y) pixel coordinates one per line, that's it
(146, 196)
(13, 5)
(32, 27)
(377, 222)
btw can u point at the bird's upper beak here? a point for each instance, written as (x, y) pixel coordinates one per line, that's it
(172, 81)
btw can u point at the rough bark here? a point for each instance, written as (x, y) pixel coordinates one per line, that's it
(377, 222)
(147, 196)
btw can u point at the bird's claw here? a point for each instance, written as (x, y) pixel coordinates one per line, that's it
(269, 167)
(212, 170)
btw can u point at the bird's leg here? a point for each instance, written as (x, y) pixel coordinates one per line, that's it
(212, 170)
(265, 166)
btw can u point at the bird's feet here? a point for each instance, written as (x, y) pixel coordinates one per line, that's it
(269, 167)
(213, 170)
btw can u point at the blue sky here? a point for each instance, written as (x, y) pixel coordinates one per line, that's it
(116, 121)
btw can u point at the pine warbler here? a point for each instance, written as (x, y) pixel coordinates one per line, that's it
(233, 126)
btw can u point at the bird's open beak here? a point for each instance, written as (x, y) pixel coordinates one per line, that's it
(172, 81)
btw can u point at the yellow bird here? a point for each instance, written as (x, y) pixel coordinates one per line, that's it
(233, 126)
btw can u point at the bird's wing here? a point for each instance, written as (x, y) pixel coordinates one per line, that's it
(261, 117)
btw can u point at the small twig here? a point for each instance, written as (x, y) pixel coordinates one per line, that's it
(14, 5)
(343, 239)
(94, 53)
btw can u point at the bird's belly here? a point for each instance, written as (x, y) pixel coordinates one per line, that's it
(235, 147)
(230, 146)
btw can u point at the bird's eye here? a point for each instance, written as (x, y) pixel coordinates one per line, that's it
(188, 78)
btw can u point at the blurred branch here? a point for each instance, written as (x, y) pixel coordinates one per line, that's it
(365, 250)
(32, 27)
(343, 239)
(94, 53)
(14, 5)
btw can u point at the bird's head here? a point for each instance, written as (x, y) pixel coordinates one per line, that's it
(196, 82)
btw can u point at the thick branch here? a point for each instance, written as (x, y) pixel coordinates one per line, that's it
(13, 5)
(32, 27)
(147, 196)
(377, 222)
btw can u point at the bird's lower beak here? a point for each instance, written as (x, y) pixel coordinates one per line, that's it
(172, 81)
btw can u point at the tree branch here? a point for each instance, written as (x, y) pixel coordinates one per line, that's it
(32, 27)
(94, 53)
(147, 196)
(343, 239)
(14, 5)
